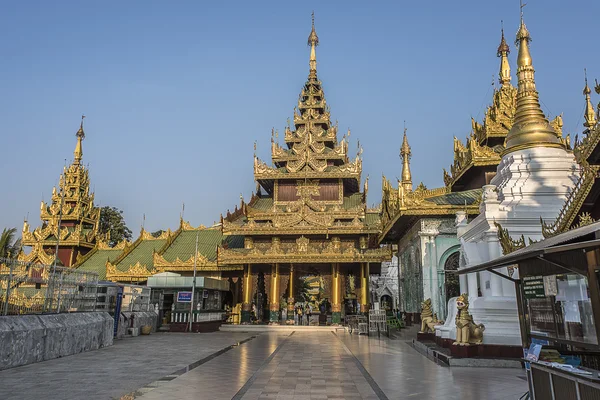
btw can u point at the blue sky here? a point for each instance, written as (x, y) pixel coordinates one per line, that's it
(176, 93)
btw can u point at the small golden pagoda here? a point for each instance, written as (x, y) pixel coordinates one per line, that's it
(71, 219)
(308, 216)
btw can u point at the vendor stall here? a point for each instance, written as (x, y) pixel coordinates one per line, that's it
(558, 296)
(178, 304)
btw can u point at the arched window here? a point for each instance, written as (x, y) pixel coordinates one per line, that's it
(451, 282)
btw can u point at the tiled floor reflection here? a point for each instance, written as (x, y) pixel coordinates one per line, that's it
(304, 365)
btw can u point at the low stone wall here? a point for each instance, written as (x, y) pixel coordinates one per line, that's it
(25, 339)
(136, 319)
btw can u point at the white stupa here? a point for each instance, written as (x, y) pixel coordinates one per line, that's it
(533, 180)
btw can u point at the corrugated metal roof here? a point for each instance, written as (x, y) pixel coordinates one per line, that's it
(467, 197)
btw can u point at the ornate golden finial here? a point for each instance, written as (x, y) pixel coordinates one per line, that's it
(405, 154)
(503, 51)
(530, 127)
(78, 153)
(313, 42)
(590, 114)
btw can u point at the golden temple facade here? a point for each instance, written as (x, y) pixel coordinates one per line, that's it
(307, 219)
(308, 216)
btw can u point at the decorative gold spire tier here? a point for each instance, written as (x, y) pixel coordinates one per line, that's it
(405, 154)
(590, 113)
(313, 42)
(78, 153)
(503, 51)
(530, 127)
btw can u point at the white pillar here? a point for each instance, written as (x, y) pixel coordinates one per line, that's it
(508, 287)
(463, 283)
(494, 252)
(472, 284)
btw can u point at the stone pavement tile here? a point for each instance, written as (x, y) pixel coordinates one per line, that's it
(303, 366)
(113, 371)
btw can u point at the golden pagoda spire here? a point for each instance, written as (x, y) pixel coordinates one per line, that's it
(78, 153)
(313, 42)
(405, 154)
(503, 51)
(530, 126)
(590, 113)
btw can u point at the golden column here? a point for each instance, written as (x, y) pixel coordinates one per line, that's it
(336, 307)
(274, 295)
(290, 300)
(247, 294)
(364, 287)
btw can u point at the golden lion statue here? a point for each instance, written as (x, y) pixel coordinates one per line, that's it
(467, 332)
(428, 318)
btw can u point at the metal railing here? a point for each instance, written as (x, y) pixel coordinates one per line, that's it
(29, 288)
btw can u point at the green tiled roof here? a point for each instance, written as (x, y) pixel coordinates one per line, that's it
(185, 243)
(353, 200)
(467, 197)
(234, 241)
(372, 219)
(97, 261)
(142, 253)
(263, 204)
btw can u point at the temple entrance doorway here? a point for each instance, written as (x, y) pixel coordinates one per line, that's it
(312, 294)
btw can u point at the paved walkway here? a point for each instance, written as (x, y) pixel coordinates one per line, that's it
(301, 365)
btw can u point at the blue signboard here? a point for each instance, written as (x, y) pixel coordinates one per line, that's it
(184, 297)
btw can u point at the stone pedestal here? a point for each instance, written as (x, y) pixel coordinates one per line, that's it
(426, 337)
(465, 351)
(246, 313)
(336, 315)
(290, 311)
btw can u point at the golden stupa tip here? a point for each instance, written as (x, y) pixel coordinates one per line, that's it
(405, 149)
(530, 126)
(522, 33)
(590, 113)
(586, 89)
(78, 153)
(503, 48)
(313, 39)
(80, 132)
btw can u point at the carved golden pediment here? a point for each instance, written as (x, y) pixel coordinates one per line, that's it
(574, 202)
(37, 254)
(304, 250)
(507, 243)
(200, 260)
(134, 273)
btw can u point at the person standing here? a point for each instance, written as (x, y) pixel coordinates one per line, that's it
(300, 322)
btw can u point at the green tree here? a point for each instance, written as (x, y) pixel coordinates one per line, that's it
(157, 233)
(113, 223)
(9, 246)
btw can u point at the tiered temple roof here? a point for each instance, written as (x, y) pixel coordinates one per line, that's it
(311, 188)
(71, 217)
